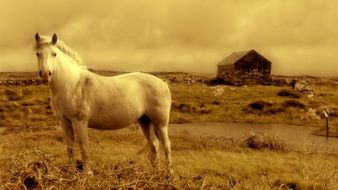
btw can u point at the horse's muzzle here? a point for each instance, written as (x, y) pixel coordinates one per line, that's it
(45, 77)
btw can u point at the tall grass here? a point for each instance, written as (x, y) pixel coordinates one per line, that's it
(39, 158)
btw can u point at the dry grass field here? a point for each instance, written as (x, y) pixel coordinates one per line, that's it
(32, 155)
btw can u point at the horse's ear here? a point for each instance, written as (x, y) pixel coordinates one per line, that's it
(37, 37)
(54, 39)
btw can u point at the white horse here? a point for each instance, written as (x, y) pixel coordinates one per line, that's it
(81, 99)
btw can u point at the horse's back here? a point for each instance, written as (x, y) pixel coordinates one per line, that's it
(145, 83)
(153, 90)
(125, 98)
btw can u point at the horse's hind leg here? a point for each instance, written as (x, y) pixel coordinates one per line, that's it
(149, 133)
(162, 132)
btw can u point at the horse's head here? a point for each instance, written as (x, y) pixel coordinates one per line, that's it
(46, 52)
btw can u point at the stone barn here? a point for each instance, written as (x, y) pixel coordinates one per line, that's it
(245, 67)
(244, 61)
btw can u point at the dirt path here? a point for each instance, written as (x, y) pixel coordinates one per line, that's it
(299, 137)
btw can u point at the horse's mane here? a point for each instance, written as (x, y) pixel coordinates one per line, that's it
(45, 40)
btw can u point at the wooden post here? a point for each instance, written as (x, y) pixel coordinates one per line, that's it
(327, 127)
(326, 114)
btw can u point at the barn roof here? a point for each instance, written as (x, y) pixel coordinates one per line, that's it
(234, 57)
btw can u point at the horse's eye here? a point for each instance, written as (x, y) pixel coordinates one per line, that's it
(54, 54)
(38, 54)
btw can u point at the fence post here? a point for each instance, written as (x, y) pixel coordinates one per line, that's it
(326, 115)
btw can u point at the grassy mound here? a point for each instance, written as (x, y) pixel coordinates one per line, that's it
(262, 141)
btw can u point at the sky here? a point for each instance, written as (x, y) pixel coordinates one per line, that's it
(299, 37)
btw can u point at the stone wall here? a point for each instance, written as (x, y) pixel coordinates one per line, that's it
(19, 82)
(240, 78)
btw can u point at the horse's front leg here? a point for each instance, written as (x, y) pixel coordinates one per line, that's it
(81, 129)
(69, 141)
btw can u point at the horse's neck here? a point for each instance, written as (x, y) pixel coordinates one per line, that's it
(65, 77)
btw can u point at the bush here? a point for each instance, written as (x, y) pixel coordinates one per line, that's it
(289, 93)
(259, 105)
(12, 95)
(263, 107)
(293, 103)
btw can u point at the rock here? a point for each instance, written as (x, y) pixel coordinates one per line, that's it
(217, 91)
(311, 114)
(302, 86)
(205, 110)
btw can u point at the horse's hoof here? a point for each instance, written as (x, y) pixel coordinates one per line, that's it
(79, 166)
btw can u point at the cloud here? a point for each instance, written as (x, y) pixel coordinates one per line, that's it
(175, 35)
